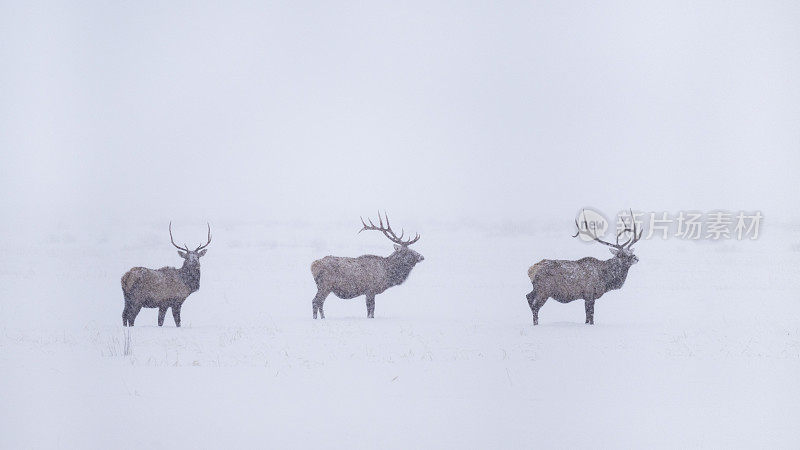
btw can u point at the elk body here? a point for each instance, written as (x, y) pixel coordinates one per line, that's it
(164, 288)
(586, 279)
(367, 275)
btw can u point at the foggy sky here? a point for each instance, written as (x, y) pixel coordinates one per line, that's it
(320, 110)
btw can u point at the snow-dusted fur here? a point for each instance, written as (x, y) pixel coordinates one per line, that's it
(366, 275)
(587, 279)
(164, 288)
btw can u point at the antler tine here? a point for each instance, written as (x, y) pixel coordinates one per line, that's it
(585, 223)
(387, 230)
(416, 238)
(185, 248)
(209, 239)
(625, 230)
(626, 242)
(371, 225)
(635, 237)
(633, 221)
(636, 234)
(590, 234)
(578, 228)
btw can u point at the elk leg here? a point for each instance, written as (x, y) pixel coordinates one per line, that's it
(176, 314)
(132, 313)
(535, 309)
(317, 303)
(370, 306)
(125, 312)
(162, 311)
(531, 300)
(589, 311)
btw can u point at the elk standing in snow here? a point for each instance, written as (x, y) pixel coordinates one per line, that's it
(367, 275)
(164, 288)
(586, 278)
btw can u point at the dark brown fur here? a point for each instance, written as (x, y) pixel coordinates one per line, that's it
(164, 288)
(366, 275)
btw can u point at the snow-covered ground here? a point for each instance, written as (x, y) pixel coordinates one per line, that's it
(701, 347)
(484, 126)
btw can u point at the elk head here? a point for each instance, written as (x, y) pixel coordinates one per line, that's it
(192, 257)
(400, 246)
(623, 251)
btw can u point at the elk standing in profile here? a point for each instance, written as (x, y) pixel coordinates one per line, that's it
(367, 275)
(586, 278)
(164, 288)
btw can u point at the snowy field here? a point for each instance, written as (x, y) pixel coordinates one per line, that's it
(701, 347)
(484, 126)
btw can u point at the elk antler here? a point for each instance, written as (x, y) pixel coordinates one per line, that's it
(387, 231)
(184, 248)
(635, 237)
(209, 239)
(592, 235)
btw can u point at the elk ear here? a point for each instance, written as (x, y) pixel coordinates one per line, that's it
(397, 247)
(182, 254)
(202, 252)
(614, 251)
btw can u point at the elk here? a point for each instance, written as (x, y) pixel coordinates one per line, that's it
(164, 288)
(587, 278)
(367, 275)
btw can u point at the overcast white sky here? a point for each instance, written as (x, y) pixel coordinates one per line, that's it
(310, 111)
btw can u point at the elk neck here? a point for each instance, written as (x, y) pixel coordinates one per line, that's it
(615, 271)
(190, 275)
(398, 267)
